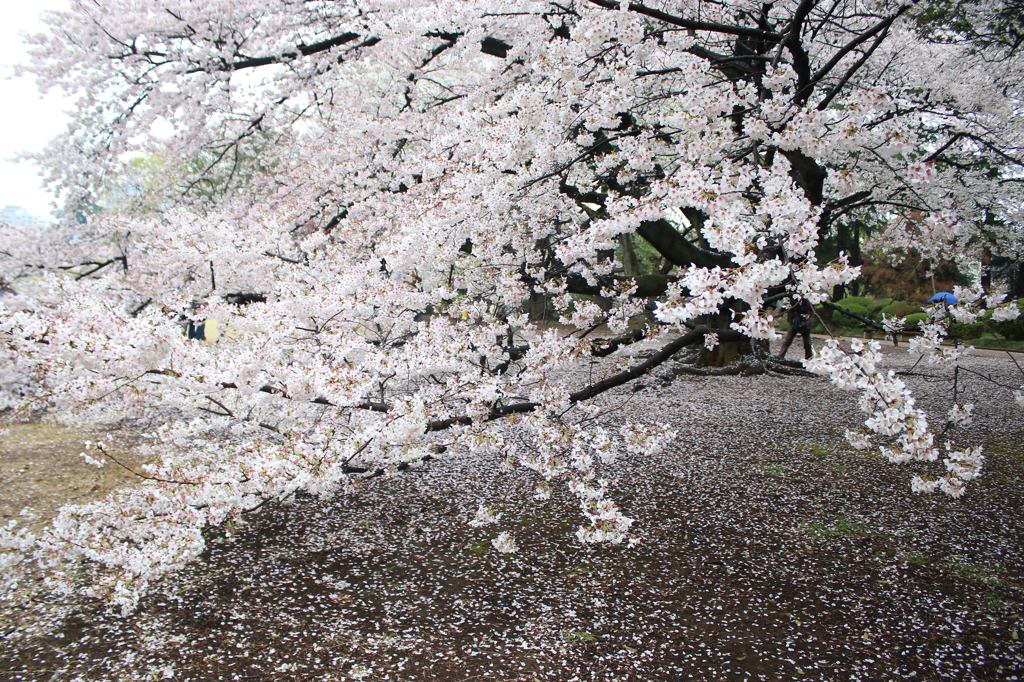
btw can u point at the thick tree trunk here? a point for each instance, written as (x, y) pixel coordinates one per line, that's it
(630, 263)
(725, 352)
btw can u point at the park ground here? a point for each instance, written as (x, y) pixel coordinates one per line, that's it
(769, 550)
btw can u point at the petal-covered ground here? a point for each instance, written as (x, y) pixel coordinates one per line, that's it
(769, 550)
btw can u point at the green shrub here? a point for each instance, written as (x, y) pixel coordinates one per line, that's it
(1013, 330)
(863, 301)
(872, 308)
(916, 318)
(900, 309)
(878, 305)
(969, 331)
(855, 304)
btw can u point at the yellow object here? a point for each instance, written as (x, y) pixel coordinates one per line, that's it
(210, 331)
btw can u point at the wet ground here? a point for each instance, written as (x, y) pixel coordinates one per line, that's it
(770, 550)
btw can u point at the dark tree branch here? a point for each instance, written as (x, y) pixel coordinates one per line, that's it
(690, 23)
(647, 286)
(866, 321)
(850, 313)
(849, 47)
(666, 240)
(676, 248)
(142, 306)
(585, 393)
(97, 266)
(300, 51)
(605, 347)
(598, 387)
(838, 87)
(286, 259)
(740, 66)
(801, 61)
(834, 208)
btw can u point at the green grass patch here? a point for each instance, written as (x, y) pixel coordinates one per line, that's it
(841, 527)
(815, 449)
(990, 341)
(975, 573)
(994, 600)
(772, 470)
(578, 637)
(582, 569)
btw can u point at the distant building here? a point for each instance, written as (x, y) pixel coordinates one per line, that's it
(16, 215)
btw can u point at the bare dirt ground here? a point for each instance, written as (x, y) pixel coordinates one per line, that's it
(770, 550)
(41, 469)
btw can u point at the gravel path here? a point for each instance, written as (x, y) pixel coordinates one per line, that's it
(770, 550)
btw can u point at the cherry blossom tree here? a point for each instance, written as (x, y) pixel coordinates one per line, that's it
(372, 193)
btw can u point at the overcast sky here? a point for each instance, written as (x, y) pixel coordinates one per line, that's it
(27, 121)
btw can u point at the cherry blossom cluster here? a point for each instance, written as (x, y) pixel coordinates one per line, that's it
(888, 402)
(376, 201)
(892, 413)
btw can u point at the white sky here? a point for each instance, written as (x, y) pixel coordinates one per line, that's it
(27, 121)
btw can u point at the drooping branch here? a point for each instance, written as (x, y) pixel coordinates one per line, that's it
(850, 313)
(597, 388)
(866, 321)
(600, 349)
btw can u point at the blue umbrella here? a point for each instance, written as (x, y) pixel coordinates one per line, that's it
(944, 297)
